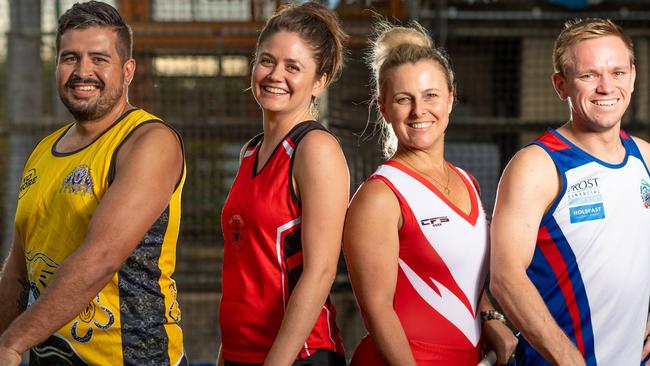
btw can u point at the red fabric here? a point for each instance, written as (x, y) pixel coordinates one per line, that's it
(263, 261)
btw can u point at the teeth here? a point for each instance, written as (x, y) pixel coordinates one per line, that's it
(86, 87)
(420, 124)
(275, 90)
(605, 103)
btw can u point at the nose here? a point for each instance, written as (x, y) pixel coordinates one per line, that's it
(84, 67)
(275, 73)
(605, 84)
(417, 109)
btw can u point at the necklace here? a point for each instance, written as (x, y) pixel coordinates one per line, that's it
(445, 187)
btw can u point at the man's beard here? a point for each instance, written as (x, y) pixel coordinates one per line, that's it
(91, 110)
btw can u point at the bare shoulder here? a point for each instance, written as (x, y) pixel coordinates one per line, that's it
(319, 143)
(530, 163)
(644, 147)
(375, 198)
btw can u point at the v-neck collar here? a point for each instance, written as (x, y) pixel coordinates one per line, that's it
(471, 217)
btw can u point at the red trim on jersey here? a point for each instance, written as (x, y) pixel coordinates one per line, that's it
(473, 213)
(554, 257)
(551, 141)
(294, 261)
(625, 135)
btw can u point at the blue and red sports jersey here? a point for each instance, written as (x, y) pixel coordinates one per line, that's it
(591, 262)
(262, 261)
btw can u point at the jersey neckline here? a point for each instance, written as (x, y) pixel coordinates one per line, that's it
(591, 157)
(63, 154)
(275, 150)
(471, 217)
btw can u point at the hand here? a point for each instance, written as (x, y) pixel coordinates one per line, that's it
(9, 357)
(499, 337)
(646, 344)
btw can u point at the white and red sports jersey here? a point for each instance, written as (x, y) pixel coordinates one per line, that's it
(441, 270)
(591, 264)
(262, 261)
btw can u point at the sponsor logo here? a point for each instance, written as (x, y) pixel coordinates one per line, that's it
(434, 221)
(645, 193)
(235, 230)
(28, 180)
(585, 201)
(79, 181)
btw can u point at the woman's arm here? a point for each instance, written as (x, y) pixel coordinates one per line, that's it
(496, 334)
(371, 246)
(322, 182)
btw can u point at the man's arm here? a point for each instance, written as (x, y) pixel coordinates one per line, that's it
(14, 285)
(147, 169)
(528, 186)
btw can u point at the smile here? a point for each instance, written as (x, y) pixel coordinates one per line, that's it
(420, 125)
(605, 103)
(273, 90)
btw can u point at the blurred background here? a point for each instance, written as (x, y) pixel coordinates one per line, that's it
(193, 64)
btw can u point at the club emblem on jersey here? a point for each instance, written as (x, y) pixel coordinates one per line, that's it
(28, 180)
(235, 229)
(645, 193)
(90, 314)
(79, 181)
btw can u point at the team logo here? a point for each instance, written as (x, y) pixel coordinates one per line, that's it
(28, 180)
(235, 229)
(174, 310)
(645, 193)
(434, 221)
(79, 181)
(102, 320)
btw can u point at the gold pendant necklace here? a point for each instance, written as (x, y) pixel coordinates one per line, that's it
(444, 187)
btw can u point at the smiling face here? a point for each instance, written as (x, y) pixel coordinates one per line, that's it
(598, 83)
(416, 102)
(91, 78)
(284, 76)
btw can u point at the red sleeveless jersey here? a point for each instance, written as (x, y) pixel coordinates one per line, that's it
(442, 267)
(262, 261)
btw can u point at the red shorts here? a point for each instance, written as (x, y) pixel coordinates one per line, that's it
(425, 354)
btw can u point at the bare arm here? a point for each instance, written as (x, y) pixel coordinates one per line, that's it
(322, 181)
(147, 170)
(528, 186)
(14, 285)
(371, 245)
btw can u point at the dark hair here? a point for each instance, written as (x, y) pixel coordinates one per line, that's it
(97, 14)
(319, 27)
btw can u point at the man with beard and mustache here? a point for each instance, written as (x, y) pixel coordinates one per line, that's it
(88, 279)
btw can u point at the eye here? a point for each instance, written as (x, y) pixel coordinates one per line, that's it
(293, 68)
(68, 58)
(403, 100)
(619, 74)
(588, 76)
(99, 60)
(265, 61)
(430, 96)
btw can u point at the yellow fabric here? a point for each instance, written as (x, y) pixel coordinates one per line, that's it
(57, 198)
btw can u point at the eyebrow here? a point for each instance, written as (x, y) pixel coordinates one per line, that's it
(287, 60)
(94, 53)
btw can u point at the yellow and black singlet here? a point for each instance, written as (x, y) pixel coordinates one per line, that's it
(134, 318)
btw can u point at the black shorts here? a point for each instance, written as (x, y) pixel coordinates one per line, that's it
(319, 358)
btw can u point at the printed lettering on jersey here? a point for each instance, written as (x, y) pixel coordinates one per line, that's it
(585, 201)
(645, 193)
(235, 229)
(28, 180)
(79, 181)
(434, 221)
